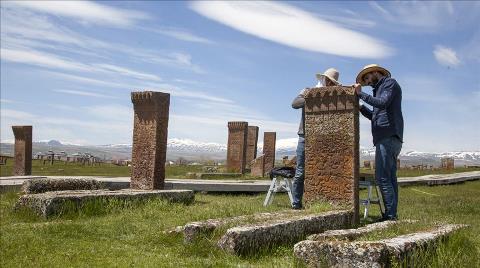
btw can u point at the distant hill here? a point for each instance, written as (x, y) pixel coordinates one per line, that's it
(193, 150)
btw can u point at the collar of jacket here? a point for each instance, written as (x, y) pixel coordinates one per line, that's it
(377, 85)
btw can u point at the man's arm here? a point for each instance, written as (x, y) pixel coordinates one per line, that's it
(366, 112)
(299, 101)
(384, 99)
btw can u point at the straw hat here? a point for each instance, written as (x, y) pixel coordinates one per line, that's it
(371, 68)
(331, 74)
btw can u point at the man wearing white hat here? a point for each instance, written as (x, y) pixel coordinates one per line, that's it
(328, 78)
(387, 129)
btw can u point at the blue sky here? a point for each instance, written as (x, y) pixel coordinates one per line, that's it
(68, 68)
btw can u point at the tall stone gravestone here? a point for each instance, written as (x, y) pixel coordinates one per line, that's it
(23, 150)
(332, 146)
(252, 140)
(269, 140)
(237, 146)
(150, 129)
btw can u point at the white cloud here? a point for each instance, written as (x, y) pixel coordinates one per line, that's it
(85, 12)
(43, 59)
(446, 56)
(181, 35)
(127, 72)
(294, 27)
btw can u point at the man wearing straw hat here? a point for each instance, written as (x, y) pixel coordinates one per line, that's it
(328, 78)
(387, 129)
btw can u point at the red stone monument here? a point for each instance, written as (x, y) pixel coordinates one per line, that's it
(252, 140)
(332, 146)
(269, 140)
(237, 146)
(23, 150)
(150, 130)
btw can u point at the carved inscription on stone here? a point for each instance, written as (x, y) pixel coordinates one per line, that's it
(150, 131)
(23, 150)
(237, 146)
(332, 146)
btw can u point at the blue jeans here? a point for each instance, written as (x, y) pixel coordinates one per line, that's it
(386, 153)
(297, 184)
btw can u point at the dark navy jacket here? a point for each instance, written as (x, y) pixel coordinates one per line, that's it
(386, 117)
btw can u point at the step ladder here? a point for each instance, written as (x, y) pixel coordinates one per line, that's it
(370, 185)
(280, 183)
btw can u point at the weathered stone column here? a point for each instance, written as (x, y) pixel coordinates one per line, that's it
(237, 146)
(23, 150)
(252, 140)
(150, 130)
(269, 140)
(332, 146)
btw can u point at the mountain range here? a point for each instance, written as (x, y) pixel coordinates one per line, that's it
(197, 151)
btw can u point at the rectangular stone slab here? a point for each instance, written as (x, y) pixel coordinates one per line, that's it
(23, 150)
(248, 239)
(350, 234)
(237, 146)
(332, 146)
(369, 253)
(51, 203)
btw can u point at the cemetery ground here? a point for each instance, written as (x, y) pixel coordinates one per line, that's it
(133, 234)
(59, 168)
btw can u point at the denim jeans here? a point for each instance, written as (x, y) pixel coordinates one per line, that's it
(386, 153)
(297, 184)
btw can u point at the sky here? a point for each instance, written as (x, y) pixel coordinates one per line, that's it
(68, 68)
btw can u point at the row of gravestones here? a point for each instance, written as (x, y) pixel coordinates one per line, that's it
(331, 150)
(242, 149)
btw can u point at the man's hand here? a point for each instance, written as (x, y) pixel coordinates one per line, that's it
(358, 88)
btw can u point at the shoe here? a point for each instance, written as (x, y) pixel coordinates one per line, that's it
(297, 207)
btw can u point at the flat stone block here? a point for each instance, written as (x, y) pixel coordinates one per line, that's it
(193, 230)
(36, 186)
(369, 253)
(51, 203)
(247, 239)
(350, 234)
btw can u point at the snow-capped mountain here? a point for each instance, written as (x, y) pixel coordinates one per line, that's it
(194, 150)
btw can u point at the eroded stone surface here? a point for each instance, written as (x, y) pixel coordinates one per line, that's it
(42, 185)
(51, 203)
(247, 239)
(194, 229)
(23, 150)
(252, 140)
(350, 234)
(150, 130)
(368, 253)
(332, 146)
(269, 142)
(237, 146)
(258, 167)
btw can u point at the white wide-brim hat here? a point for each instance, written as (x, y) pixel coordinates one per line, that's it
(371, 68)
(331, 73)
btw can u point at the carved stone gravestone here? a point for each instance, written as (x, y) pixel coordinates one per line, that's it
(269, 140)
(237, 146)
(150, 129)
(332, 146)
(252, 140)
(23, 150)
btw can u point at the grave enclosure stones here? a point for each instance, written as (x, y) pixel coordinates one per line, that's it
(237, 146)
(23, 150)
(332, 146)
(151, 112)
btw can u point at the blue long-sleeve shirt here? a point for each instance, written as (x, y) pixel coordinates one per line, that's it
(386, 117)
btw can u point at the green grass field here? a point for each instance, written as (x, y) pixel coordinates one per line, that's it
(133, 235)
(174, 171)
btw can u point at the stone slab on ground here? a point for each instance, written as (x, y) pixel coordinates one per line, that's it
(193, 230)
(52, 203)
(43, 185)
(369, 253)
(350, 234)
(247, 239)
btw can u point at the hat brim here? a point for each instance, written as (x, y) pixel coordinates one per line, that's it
(320, 76)
(369, 70)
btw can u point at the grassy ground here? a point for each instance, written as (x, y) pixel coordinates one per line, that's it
(133, 235)
(110, 170)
